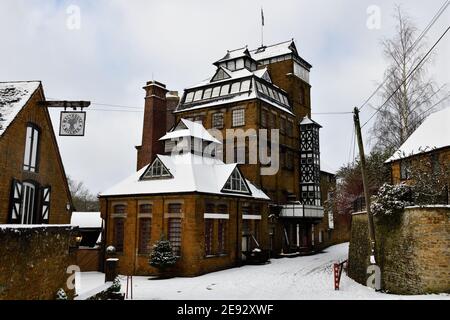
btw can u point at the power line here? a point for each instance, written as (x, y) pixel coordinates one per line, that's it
(419, 38)
(407, 77)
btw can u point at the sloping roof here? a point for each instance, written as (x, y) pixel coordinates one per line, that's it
(86, 219)
(308, 120)
(13, 97)
(189, 129)
(191, 173)
(267, 52)
(433, 133)
(234, 54)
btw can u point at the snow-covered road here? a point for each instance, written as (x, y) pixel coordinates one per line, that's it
(308, 277)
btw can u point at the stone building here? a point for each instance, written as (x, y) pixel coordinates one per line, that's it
(430, 142)
(33, 183)
(212, 215)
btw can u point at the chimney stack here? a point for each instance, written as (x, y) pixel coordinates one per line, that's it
(154, 127)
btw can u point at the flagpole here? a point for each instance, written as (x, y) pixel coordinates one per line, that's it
(262, 27)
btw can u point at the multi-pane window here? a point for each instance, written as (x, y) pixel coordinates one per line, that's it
(198, 95)
(118, 228)
(217, 120)
(290, 128)
(207, 93)
(235, 87)
(221, 235)
(264, 118)
(119, 209)
(404, 169)
(189, 97)
(283, 125)
(156, 170)
(145, 230)
(238, 117)
(215, 92)
(245, 86)
(289, 159)
(174, 231)
(224, 90)
(145, 208)
(209, 227)
(31, 148)
(236, 183)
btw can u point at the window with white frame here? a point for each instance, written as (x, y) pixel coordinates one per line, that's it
(215, 92)
(224, 90)
(236, 183)
(31, 148)
(198, 95)
(235, 87)
(245, 86)
(156, 170)
(189, 97)
(238, 117)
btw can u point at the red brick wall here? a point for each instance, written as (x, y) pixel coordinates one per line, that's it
(155, 119)
(51, 170)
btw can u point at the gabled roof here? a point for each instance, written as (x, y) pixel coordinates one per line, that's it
(13, 97)
(190, 173)
(186, 128)
(433, 133)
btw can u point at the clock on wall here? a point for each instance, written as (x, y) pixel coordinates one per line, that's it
(72, 123)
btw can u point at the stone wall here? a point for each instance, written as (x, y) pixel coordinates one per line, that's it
(412, 250)
(34, 260)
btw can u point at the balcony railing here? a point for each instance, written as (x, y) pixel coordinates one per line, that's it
(297, 210)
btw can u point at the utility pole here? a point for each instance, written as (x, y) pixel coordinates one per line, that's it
(365, 184)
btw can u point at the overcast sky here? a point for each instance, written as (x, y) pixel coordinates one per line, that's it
(122, 44)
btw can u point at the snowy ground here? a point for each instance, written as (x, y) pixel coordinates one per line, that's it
(308, 277)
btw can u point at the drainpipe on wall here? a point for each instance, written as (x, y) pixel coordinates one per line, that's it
(136, 245)
(238, 238)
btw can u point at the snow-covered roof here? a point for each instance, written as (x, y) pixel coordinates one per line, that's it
(190, 173)
(433, 133)
(308, 120)
(234, 54)
(277, 50)
(86, 219)
(13, 97)
(324, 167)
(187, 128)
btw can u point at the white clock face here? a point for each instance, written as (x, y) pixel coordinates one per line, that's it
(72, 123)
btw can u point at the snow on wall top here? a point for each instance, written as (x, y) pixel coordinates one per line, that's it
(433, 133)
(13, 97)
(86, 219)
(191, 173)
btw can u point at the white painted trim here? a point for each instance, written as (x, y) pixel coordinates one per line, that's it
(251, 217)
(216, 216)
(145, 215)
(173, 215)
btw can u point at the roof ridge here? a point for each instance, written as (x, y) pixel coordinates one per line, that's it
(21, 81)
(273, 45)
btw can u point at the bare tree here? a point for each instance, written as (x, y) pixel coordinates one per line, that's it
(416, 97)
(83, 199)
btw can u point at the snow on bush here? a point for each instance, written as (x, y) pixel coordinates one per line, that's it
(162, 255)
(116, 285)
(61, 294)
(391, 199)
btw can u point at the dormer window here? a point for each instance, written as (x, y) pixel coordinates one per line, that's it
(157, 170)
(236, 183)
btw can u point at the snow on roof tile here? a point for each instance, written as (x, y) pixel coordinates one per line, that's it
(433, 133)
(190, 129)
(191, 173)
(13, 97)
(86, 219)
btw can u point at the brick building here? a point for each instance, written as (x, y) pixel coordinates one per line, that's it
(430, 140)
(33, 184)
(268, 88)
(210, 213)
(250, 91)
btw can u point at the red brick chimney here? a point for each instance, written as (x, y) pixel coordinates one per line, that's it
(155, 117)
